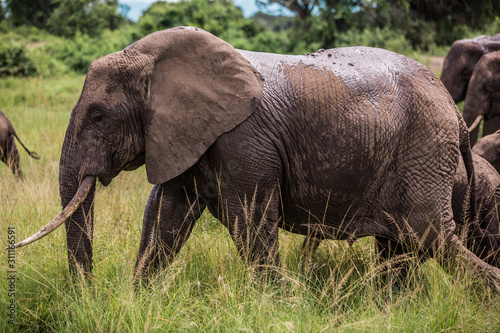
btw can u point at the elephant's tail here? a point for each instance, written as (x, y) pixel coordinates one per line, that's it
(466, 152)
(31, 153)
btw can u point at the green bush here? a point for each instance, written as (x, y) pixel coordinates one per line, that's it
(385, 38)
(268, 41)
(14, 60)
(79, 52)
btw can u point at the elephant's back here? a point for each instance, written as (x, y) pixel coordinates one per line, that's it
(355, 117)
(359, 65)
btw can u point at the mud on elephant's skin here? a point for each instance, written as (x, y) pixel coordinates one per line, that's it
(488, 147)
(266, 141)
(8, 150)
(487, 182)
(483, 97)
(461, 60)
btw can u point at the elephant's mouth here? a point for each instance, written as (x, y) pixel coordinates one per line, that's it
(105, 180)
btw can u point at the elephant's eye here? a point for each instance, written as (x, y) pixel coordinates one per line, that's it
(97, 118)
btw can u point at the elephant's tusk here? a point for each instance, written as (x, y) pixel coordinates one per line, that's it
(475, 123)
(77, 200)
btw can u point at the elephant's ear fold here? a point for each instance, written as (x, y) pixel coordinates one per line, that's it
(199, 88)
(493, 46)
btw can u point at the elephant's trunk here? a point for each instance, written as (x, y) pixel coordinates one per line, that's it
(79, 228)
(455, 87)
(477, 102)
(475, 108)
(63, 216)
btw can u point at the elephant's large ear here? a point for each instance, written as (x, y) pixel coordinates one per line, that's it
(199, 88)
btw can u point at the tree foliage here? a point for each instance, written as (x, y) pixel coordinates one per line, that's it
(66, 17)
(30, 12)
(84, 16)
(216, 16)
(67, 35)
(302, 8)
(421, 21)
(2, 12)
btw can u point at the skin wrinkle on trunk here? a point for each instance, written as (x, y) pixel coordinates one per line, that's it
(483, 97)
(79, 227)
(79, 230)
(64, 215)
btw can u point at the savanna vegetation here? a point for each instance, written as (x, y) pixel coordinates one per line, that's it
(45, 49)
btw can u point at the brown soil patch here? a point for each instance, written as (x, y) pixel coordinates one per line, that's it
(435, 63)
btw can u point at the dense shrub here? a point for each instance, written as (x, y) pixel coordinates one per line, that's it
(14, 60)
(79, 52)
(385, 38)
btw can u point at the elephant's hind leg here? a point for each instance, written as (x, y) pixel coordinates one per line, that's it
(12, 158)
(169, 217)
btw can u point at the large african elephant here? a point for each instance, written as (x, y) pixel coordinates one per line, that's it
(8, 150)
(488, 147)
(483, 97)
(265, 141)
(461, 60)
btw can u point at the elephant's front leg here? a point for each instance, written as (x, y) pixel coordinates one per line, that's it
(169, 217)
(253, 226)
(391, 254)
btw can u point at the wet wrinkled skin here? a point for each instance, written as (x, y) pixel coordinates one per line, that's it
(8, 150)
(461, 60)
(483, 96)
(341, 144)
(487, 182)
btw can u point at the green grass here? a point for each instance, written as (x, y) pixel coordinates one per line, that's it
(207, 288)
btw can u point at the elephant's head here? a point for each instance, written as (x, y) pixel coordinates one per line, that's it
(161, 102)
(483, 94)
(460, 62)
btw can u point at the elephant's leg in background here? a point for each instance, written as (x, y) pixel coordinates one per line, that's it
(491, 125)
(169, 217)
(10, 156)
(439, 242)
(474, 135)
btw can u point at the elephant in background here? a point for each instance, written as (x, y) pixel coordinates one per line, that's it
(266, 141)
(8, 150)
(461, 60)
(487, 182)
(488, 147)
(483, 97)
